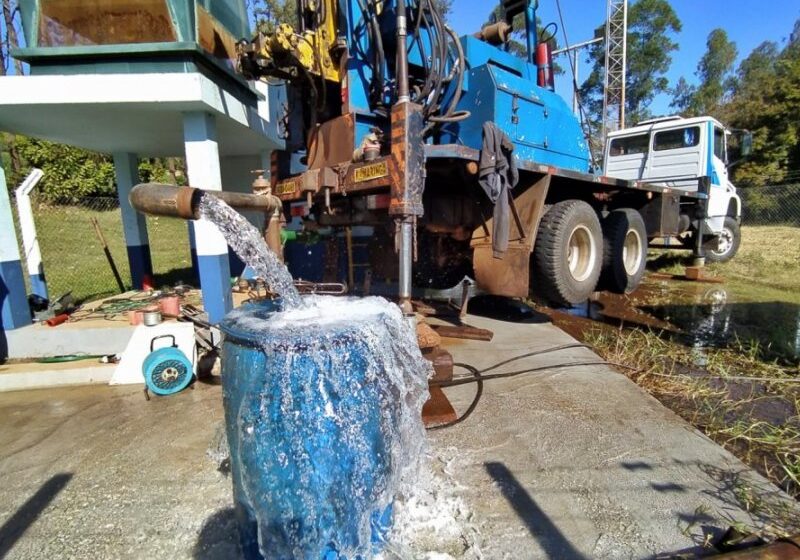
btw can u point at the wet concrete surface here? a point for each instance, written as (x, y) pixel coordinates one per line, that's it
(98, 472)
(582, 463)
(569, 463)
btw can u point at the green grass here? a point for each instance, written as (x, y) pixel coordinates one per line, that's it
(768, 256)
(73, 255)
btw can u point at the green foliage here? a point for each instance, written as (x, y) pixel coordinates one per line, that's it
(651, 24)
(714, 71)
(267, 14)
(766, 101)
(69, 173)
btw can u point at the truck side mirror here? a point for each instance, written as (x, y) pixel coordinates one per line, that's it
(747, 143)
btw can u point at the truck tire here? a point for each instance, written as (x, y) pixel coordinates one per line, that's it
(624, 251)
(723, 247)
(568, 254)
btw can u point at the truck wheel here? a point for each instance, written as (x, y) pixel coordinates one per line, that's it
(568, 254)
(723, 247)
(624, 251)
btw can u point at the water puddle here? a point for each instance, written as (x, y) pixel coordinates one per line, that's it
(699, 315)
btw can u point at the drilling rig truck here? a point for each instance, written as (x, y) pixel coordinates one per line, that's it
(464, 161)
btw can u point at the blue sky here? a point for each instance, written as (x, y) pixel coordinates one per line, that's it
(748, 23)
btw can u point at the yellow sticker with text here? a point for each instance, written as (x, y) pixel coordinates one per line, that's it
(369, 172)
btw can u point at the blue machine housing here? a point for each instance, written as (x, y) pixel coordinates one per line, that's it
(501, 88)
(498, 87)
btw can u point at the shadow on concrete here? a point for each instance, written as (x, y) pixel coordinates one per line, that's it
(552, 541)
(30, 511)
(505, 309)
(205, 368)
(219, 537)
(667, 487)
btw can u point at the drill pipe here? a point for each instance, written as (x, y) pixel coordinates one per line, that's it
(182, 202)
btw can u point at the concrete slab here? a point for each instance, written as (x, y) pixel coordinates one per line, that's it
(582, 463)
(21, 376)
(40, 341)
(570, 463)
(135, 113)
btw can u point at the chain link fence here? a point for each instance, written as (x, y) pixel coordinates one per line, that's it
(75, 261)
(771, 205)
(72, 238)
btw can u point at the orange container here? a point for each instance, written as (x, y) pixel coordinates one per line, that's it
(170, 305)
(135, 317)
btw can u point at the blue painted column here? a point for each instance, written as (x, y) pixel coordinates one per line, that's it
(202, 162)
(134, 224)
(14, 310)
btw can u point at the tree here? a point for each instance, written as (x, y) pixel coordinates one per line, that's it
(766, 101)
(651, 24)
(266, 15)
(714, 70)
(10, 38)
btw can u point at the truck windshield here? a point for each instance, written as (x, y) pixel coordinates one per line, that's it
(629, 145)
(719, 144)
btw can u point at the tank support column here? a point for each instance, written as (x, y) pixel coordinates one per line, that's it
(202, 162)
(134, 224)
(14, 310)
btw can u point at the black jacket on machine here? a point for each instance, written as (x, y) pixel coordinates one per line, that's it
(497, 175)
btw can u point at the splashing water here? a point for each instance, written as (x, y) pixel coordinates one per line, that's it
(326, 438)
(248, 244)
(323, 402)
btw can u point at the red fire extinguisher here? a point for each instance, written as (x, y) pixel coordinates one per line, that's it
(544, 61)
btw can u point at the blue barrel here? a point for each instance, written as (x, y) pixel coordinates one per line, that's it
(306, 425)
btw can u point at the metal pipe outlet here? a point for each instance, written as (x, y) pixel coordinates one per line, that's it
(159, 199)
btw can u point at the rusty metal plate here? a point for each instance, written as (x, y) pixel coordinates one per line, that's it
(509, 276)
(332, 143)
(370, 171)
(438, 410)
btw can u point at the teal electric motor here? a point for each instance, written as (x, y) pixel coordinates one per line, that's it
(306, 416)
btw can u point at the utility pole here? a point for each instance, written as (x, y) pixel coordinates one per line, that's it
(575, 49)
(616, 50)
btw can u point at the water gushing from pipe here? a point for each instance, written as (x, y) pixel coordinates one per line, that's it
(248, 243)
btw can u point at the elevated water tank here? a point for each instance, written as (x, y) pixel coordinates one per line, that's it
(118, 36)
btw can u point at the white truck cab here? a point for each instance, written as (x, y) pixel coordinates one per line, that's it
(676, 152)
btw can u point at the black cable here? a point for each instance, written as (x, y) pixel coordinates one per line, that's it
(536, 353)
(478, 376)
(553, 33)
(460, 67)
(467, 380)
(475, 400)
(584, 121)
(379, 63)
